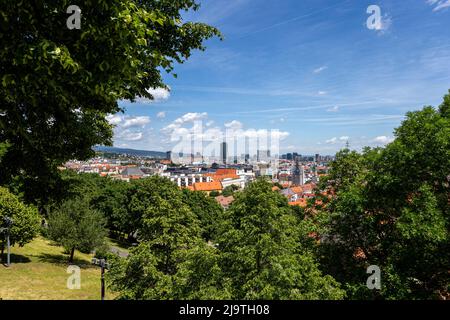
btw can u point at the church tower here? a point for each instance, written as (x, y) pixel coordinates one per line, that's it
(298, 174)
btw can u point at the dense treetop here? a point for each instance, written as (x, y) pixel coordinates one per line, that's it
(57, 85)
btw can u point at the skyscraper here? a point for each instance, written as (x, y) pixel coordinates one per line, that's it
(298, 174)
(223, 152)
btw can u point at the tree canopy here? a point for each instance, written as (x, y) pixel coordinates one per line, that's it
(76, 226)
(58, 85)
(25, 218)
(391, 208)
(256, 253)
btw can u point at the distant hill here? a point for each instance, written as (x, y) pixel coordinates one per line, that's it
(132, 152)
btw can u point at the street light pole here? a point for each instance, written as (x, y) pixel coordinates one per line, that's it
(103, 265)
(103, 282)
(8, 259)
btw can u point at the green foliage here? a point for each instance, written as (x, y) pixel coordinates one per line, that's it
(229, 191)
(167, 231)
(392, 209)
(76, 226)
(207, 209)
(25, 218)
(214, 194)
(57, 85)
(168, 224)
(261, 252)
(112, 201)
(200, 276)
(258, 255)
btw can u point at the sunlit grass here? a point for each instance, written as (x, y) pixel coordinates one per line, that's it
(39, 272)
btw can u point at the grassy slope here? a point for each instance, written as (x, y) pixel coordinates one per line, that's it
(39, 272)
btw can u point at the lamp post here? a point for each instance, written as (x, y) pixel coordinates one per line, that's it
(103, 265)
(7, 222)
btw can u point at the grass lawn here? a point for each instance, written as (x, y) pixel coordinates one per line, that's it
(39, 272)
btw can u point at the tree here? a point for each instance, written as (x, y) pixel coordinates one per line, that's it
(167, 230)
(167, 224)
(256, 254)
(58, 85)
(112, 201)
(214, 194)
(394, 212)
(261, 252)
(25, 219)
(207, 209)
(229, 191)
(76, 226)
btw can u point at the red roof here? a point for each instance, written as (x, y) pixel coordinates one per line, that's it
(208, 186)
(220, 172)
(300, 202)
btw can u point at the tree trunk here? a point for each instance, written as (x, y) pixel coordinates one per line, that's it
(3, 250)
(72, 252)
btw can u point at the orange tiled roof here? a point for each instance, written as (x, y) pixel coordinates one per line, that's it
(208, 186)
(221, 177)
(297, 189)
(300, 202)
(220, 172)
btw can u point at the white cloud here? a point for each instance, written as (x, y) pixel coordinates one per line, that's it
(186, 118)
(383, 140)
(322, 93)
(158, 94)
(333, 109)
(161, 115)
(439, 4)
(235, 125)
(128, 128)
(332, 140)
(115, 119)
(336, 140)
(128, 135)
(181, 129)
(128, 121)
(190, 117)
(320, 69)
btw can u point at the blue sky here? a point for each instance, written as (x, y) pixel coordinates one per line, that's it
(310, 68)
